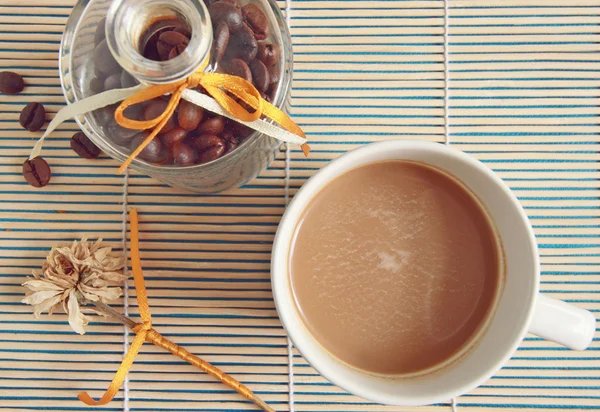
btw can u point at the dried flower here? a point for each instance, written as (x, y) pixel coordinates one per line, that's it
(73, 275)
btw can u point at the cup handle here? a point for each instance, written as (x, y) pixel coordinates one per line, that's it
(563, 323)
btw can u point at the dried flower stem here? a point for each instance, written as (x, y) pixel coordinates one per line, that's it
(157, 339)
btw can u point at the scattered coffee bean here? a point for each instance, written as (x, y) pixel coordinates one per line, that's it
(209, 148)
(151, 153)
(113, 81)
(127, 80)
(11, 83)
(256, 20)
(260, 75)
(100, 32)
(37, 172)
(96, 85)
(221, 40)
(83, 146)
(183, 155)
(33, 117)
(242, 44)
(268, 53)
(238, 67)
(104, 60)
(230, 14)
(173, 137)
(154, 109)
(189, 115)
(212, 126)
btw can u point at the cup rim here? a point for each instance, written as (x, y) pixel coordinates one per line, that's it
(279, 272)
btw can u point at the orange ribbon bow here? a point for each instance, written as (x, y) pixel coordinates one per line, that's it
(145, 333)
(217, 85)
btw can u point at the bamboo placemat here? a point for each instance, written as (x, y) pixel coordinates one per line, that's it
(523, 90)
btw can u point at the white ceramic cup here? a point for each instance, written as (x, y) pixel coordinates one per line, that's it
(521, 308)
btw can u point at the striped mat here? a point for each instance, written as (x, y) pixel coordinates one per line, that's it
(515, 83)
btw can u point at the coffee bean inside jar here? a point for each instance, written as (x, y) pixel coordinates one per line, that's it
(242, 46)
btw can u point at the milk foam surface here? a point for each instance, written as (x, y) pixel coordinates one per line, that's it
(395, 267)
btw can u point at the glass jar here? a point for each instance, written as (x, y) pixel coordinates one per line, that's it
(123, 29)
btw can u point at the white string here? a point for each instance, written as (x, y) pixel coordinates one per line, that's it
(446, 101)
(446, 73)
(290, 346)
(125, 287)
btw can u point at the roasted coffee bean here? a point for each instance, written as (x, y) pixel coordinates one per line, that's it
(167, 159)
(33, 117)
(231, 143)
(260, 75)
(113, 81)
(105, 115)
(11, 83)
(227, 133)
(164, 50)
(96, 85)
(268, 53)
(176, 51)
(238, 67)
(37, 172)
(242, 44)
(149, 38)
(127, 80)
(173, 137)
(99, 75)
(274, 74)
(154, 109)
(150, 52)
(183, 155)
(189, 115)
(183, 30)
(230, 14)
(153, 152)
(272, 92)
(212, 126)
(83, 146)
(119, 134)
(239, 130)
(104, 60)
(256, 19)
(100, 32)
(169, 40)
(234, 3)
(221, 40)
(209, 147)
(135, 111)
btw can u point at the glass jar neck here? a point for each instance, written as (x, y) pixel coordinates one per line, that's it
(127, 22)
